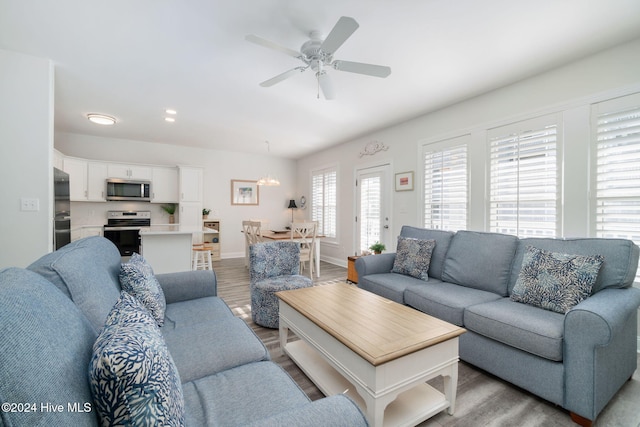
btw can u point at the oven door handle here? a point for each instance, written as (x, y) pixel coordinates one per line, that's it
(122, 228)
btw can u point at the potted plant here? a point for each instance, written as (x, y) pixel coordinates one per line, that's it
(205, 213)
(171, 210)
(377, 247)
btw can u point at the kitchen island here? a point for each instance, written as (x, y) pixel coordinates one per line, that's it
(168, 248)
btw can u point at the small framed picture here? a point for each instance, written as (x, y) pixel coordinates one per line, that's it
(404, 181)
(244, 192)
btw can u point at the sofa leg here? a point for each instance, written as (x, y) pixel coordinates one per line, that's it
(581, 420)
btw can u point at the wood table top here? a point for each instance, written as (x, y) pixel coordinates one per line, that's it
(377, 329)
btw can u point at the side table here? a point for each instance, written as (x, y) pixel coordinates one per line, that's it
(352, 274)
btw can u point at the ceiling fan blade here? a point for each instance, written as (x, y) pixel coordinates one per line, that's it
(326, 85)
(272, 45)
(339, 34)
(362, 68)
(281, 77)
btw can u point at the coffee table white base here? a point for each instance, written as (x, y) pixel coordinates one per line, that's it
(394, 393)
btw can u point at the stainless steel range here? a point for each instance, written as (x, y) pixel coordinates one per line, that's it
(123, 229)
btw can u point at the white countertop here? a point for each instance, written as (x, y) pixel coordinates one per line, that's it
(173, 229)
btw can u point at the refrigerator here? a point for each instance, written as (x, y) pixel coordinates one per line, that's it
(62, 209)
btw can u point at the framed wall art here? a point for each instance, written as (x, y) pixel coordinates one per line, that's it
(404, 181)
(245, 192)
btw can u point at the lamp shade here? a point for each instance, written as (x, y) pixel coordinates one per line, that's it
(292, 204)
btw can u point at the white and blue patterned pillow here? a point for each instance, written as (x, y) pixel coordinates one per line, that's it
(555, 281)
(137, 278)
(413, 257)
(134, 380)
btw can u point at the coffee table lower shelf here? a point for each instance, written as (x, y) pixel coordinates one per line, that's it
(408, 409)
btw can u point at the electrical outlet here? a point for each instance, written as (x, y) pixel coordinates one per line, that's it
(29, 204)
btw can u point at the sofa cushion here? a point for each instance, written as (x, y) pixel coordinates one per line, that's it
(221, 399)
(136, 277)
(442, 238)
(388, 285)
(555, 281)
(445, 301)
(133, 378)
(413, 257)
(480, 260)
(206, 348)
(184, 313)
(617, 271)
(528, 328)
(44, 351)
(86, 271)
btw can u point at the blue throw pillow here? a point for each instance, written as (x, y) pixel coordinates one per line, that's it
(413, 257)
(137, 278)
(133, 378)
(555, 281)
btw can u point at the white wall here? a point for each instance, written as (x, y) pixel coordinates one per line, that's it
(220, 167)
(567, 91)
(26, 141)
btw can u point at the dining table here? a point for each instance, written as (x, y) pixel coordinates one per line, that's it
(286, 235)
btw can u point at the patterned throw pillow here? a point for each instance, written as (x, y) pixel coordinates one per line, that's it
(136, 277)
(413, 257)
(555, 281)
(134, 380)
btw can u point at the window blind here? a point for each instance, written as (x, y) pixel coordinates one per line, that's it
(445, 188)
(524, 178)
(617, 201)
(323, 201)
(370, 218)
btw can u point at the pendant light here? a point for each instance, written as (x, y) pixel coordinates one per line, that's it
(269, 181)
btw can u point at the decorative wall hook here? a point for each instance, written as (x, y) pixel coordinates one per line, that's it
(372, 148)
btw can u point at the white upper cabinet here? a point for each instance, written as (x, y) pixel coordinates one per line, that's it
(190, 184)
(164, 185)
(117, 170)
(77, 170)
(96, 181)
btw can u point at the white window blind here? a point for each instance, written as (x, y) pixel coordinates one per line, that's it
(370, 218)
(445, 188)
(524, 185)
(323, 201)
(617, 201)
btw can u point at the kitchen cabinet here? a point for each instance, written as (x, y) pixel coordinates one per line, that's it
(164, 185)
(97, 173)
(77, 170)
(191, 184)
(118, 170)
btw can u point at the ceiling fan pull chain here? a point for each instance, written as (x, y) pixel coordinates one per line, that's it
(318, 81)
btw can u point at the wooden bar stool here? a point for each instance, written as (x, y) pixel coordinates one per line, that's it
(201, 256)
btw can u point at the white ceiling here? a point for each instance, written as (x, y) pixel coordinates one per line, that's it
(132, 59)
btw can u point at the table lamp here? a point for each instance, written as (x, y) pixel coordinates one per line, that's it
(292, 206)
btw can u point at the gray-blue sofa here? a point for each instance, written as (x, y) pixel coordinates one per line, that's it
(52, 312)
(577, 360)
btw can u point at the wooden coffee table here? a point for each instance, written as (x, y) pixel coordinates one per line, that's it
(378, 352)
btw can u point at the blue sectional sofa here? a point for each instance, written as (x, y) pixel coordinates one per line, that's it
(52, 312)
(577, 359)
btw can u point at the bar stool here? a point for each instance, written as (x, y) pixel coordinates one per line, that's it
(201, 256)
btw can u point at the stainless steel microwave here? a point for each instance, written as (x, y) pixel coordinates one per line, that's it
(128, 190)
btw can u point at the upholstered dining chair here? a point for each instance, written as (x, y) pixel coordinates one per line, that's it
(273, 267)
(305, 234)
(252, 234)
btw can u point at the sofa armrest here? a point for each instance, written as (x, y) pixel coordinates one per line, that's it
(188, 285)
(600, 337)
(331, 411)
(375, 264)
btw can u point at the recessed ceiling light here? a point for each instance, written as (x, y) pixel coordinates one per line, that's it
(101, 119)
(169, 119)
(170, 111)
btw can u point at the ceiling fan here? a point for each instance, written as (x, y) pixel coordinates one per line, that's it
(317, 54)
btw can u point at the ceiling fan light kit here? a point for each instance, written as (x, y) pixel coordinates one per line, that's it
(317, 54)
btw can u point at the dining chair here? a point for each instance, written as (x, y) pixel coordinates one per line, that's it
(305, 234)
(252, 234)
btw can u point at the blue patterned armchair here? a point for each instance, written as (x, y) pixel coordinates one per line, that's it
(273, 267)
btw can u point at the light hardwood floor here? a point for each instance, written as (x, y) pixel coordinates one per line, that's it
(483, 400)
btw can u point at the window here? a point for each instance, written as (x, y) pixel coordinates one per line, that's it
(524, 183)
(324, 185)
(445, 187)
(617, 173)
(370, 217)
